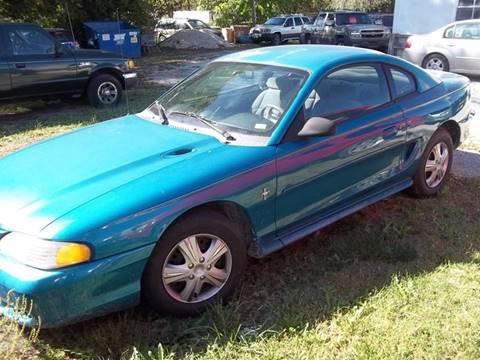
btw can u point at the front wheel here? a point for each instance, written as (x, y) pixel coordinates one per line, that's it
(277, 39)
(198, 261)
(435, 165)
(104, 90)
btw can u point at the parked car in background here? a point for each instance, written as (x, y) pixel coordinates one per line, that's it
(34, 65)
(382, 19)
(279, 29)
(351, 28)
(166, 27)
(246, 156)
(455, 47)
(64, 37)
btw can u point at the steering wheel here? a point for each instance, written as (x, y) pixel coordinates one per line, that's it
(271, 112)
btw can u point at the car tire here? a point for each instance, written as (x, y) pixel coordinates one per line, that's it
(435, 165)
(436, 62)
(277, 39)
(185, 292)
(104, 90)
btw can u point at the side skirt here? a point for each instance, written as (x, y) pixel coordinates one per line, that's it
(259, 251)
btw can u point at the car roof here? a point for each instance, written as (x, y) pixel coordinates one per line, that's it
(320, 59)
(306, 57)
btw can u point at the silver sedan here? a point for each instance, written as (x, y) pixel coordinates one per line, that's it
(455, 48)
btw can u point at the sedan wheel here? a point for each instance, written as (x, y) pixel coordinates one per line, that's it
(437, 165)
(197, 268)
(197, 262)
(436, 62)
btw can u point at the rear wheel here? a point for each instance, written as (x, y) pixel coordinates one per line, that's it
(197, 262)
(435, 165)
(104, 90)
(436, 62)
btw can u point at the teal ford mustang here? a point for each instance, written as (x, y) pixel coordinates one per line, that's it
(246, 156)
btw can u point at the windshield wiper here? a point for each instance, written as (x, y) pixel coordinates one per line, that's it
(207, 122)
(161, 112)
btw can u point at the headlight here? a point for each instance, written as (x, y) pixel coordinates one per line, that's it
(266, 30)
(43, 254)
(130, 64)
(386, 32)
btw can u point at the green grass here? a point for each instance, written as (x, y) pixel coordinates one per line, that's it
(400, 279)
(25, 123)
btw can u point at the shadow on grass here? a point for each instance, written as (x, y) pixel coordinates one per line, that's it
(18, 118)
(303, 284)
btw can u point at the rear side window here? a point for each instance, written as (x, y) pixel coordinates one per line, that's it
(350, 90)
(448, 34)
(306, 20)
(298, 21)
(403, 82)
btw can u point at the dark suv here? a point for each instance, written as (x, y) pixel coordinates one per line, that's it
(33, 64)
(351, 28)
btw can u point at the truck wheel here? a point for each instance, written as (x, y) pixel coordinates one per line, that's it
(197, 262)
(104, 90)
(277, 39)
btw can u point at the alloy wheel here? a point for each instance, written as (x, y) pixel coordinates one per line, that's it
(197, 268)
(437, 165)
(107, 93)
(435, 63)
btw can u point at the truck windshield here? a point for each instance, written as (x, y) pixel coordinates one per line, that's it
(353, 19)
(275, 21)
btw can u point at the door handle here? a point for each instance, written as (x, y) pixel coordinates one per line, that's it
(20, 65)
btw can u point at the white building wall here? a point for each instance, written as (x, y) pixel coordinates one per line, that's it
(422, 16)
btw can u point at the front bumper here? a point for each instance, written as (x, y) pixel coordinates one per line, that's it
(131, 80)
(261, 36)
(72, 294)
(371, 43)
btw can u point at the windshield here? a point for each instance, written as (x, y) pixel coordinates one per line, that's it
(246, 98)
(353, 19)
(198, 24)
(275, 21)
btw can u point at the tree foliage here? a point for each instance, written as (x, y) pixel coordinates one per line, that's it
(142, 12)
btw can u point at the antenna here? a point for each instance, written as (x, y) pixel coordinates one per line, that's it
(123, 57)
(70, 22)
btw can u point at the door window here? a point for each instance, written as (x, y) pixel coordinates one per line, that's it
(403, 83)
(30, 41)
(467, 31)
(350, 90)
(320, 19)
(298, 21)
(289, 22)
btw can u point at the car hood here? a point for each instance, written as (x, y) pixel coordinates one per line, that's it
(45, 181)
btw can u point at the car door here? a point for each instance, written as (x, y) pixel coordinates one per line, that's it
(464, 45)
(288, 28)
(36, 68)
(5, 85)
(298, 26)
(318, 176)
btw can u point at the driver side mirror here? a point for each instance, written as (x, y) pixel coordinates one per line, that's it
(318, 126)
